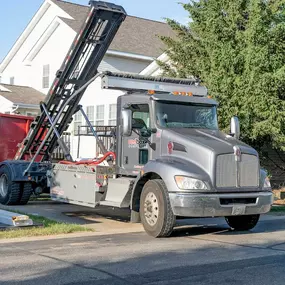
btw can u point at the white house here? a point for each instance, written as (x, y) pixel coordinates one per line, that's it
(21, 100)
(39, 51)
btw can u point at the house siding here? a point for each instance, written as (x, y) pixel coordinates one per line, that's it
(120, 64)
(17, 67)
(5, 105)
(94, 96)
(53, 54)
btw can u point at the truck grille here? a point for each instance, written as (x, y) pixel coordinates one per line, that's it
(227, 173)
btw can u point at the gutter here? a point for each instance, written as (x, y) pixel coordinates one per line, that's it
(26, 106)
(130, 55)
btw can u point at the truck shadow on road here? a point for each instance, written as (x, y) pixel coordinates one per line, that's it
(94, 215)
(191, 230)
(218, 226)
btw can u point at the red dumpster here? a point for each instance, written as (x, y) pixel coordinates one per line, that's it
(13, 129)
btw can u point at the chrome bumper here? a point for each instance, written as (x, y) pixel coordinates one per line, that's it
(213, 205)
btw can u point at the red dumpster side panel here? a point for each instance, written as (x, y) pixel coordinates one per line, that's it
(13, 129)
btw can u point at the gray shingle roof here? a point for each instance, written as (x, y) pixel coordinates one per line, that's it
(136, 35)
(22, 94)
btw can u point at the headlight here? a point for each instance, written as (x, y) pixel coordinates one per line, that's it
(187, 183)
(267, 183)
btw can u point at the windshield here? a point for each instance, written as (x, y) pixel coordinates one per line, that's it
(186, 115)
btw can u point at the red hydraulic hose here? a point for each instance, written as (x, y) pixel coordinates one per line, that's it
(89, 162)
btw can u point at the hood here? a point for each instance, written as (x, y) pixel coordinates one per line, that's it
(200, 146)
(202, 150)
(213, 140)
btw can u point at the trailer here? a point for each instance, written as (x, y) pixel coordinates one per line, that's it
(168, 158)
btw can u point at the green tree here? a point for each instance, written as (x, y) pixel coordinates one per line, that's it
(237, 49)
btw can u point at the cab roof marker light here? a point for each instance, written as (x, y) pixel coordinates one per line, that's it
(182, 93)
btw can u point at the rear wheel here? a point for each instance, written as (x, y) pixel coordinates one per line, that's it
(27, 190)
(9, 191)
(242, 223)
(155, 210)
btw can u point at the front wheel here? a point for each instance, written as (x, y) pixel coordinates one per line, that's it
(242, 223)
(155, 210)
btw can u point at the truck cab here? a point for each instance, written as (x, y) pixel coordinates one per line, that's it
(184, 164)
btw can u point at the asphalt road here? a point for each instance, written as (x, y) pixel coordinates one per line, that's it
(193, 255)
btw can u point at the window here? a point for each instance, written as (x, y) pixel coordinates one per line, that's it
(12, 80)
(186, 115)
(99, 115)
(112, 115)
(90, 115)
(46, 76)
(140, 116)
(77, 122)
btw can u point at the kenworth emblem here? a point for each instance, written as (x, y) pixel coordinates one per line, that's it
(237, 153)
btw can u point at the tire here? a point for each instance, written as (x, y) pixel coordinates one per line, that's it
(155, 210)
(27, 190)
(9, 191)
(242, 223)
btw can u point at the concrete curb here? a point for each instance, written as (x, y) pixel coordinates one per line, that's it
(72, 235)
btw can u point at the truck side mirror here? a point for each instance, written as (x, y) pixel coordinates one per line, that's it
(127, 122)
(235, 127)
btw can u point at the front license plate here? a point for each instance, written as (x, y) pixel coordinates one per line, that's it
(238, 210)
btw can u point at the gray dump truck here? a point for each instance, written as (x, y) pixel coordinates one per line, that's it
(168, 159)
(171, 160)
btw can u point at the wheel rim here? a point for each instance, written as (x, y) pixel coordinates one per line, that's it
(3, 185)
(151, 209)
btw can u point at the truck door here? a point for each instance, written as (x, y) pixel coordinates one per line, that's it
(135, 149)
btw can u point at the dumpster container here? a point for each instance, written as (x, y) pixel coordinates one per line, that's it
(13, 129)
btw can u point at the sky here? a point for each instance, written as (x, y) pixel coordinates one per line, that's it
(16, 14)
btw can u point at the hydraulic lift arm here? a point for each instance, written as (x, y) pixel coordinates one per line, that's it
(78, 70)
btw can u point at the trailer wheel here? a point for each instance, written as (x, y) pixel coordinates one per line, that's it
(27, 190)
(155, 210)
(242, 223)
(9, 190)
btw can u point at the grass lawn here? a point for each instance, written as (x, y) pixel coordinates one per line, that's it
(49, 227)
(278, 210)
(43, 197)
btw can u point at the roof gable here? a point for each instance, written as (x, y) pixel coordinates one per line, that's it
(21, 94)
(136, 35)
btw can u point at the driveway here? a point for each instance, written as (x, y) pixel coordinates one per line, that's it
(209, 254)
(105, 220)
